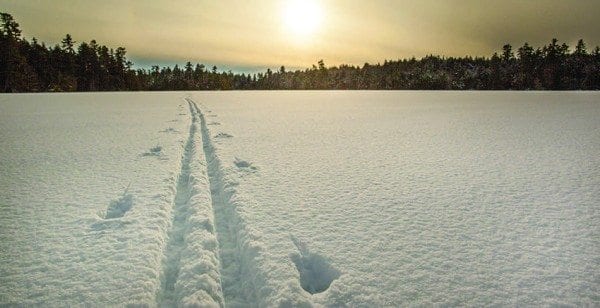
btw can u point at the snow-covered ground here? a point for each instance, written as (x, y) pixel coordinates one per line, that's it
(289, 198)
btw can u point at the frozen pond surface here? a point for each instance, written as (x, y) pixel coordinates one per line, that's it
(324, 198)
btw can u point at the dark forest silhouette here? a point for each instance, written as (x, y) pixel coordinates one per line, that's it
(33, 67)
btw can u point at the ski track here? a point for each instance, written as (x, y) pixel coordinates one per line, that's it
(190, 270)
(230, 263)
(210, 258)
(241, 276)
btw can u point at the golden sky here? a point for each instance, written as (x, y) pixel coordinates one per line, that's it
(247, 34)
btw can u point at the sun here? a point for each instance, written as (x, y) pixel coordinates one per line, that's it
(302, 17)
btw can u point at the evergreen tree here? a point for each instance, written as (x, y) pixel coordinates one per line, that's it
(31, 66)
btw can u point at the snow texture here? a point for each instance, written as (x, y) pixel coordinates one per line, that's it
(311, 198)
(420, 198)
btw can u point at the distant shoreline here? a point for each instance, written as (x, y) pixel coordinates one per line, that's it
(33, 67)
(303, 90)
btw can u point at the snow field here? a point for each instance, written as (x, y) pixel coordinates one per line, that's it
(66, 159)
(419, 198)
(312, 198)
(155, 220)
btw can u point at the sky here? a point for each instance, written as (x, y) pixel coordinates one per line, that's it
(250, 35)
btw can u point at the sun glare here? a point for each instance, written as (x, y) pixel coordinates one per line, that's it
(302, 17)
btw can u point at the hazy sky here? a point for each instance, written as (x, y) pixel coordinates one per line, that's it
(254, 34)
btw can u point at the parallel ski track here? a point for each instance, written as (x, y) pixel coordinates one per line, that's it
(175, 244)
(232, 281)
(234, 290)
(190, 270)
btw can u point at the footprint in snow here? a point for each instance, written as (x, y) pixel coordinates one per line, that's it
(316, 271)
(155, 151)
(244, 165)
(118, 208)
(223, 135)
(169, 130)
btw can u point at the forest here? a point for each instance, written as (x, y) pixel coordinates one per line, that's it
(31, 66)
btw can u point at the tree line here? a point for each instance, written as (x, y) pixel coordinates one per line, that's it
(31, 66)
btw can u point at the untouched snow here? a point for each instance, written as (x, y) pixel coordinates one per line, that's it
(83, 210)
(300, 198)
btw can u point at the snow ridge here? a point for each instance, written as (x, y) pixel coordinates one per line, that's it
(243, 282)
(191, 262)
